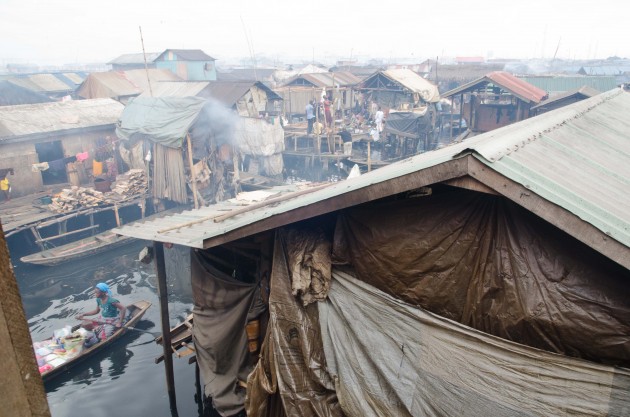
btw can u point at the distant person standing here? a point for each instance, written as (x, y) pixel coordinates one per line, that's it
(327, 113)
(310, 117)
(378, 119)
(5, 186)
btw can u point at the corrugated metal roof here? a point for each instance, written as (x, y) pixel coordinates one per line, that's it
(30, 119)
(42, 83)
(246, 74)
(558, 84)
(226, 92)
(12, 94)
(75, 77)
(583, 92)
(134, 59)
(122, 83)
(414, 82)
(188, 55)
(176, 89)
(521, 89)
(49, 83)
(325, 79)
(229, 92)
(576, 157)
(605, 69)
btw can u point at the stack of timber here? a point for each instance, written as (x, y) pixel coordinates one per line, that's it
(70, 199)
(130, 184)
(133, 182)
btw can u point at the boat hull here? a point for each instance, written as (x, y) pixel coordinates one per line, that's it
(136, 311)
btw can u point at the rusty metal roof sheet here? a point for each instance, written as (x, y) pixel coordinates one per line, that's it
(576, 158)
(29, 119)
(505, 80)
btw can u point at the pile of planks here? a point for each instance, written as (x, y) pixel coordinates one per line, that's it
(132, 182)
(70, 199)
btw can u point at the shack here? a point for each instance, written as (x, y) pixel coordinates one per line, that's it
(494, 100)
(488, 276)
(300, 89)
(41, 141)
(195, 146)
(400, 89)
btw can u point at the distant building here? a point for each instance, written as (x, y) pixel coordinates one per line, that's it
(464, 60)
(189, 64)
(498, 99)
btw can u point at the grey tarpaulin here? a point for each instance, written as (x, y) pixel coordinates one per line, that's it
(163, 120)
(392, 359)
(221, 311)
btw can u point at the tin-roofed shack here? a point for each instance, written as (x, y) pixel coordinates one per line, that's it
(181, 135)
(41, 141)
(490, 275)
(495, 100)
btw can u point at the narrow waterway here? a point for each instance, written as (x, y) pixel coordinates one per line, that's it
(123, 379)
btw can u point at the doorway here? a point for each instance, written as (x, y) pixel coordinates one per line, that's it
(52, 152)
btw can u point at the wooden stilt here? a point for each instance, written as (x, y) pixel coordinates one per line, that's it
(160, 266)
(117, 215)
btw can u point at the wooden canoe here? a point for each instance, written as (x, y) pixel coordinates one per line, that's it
(135, 311)
(83, 247)
(89, 245)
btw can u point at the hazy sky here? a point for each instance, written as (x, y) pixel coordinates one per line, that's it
(72, 31)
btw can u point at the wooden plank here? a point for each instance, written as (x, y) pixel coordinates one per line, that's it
(72, 232)
(21, 388)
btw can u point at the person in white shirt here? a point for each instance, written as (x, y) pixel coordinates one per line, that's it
(378, 119)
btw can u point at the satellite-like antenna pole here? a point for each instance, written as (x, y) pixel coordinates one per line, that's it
(146, 67)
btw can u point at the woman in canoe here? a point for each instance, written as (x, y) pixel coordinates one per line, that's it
(112, 313)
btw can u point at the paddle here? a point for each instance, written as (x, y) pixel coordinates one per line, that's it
(154, 334)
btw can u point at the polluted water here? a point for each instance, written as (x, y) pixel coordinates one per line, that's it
(122, 378)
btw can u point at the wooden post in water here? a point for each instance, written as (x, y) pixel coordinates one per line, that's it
(117, 215)
(369, 156)
(160, 266)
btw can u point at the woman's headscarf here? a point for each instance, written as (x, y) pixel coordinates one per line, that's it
(104, 288)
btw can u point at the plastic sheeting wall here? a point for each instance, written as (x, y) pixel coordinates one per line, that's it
(221, 306)
(392, 359)
(487, 263)
(290, 377)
